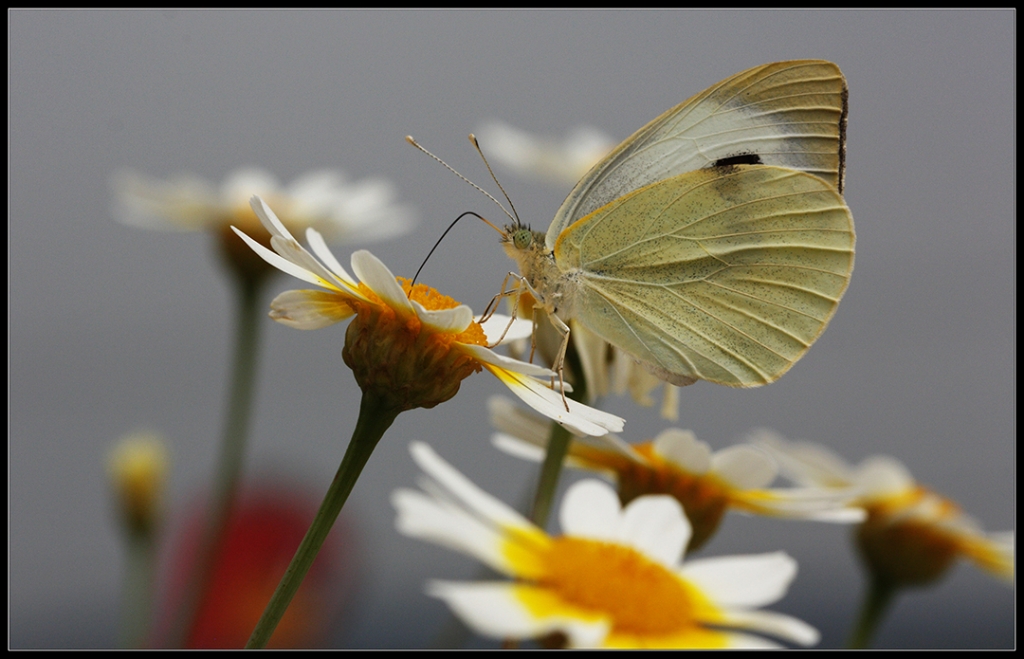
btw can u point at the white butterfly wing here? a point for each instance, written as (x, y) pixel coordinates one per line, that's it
(725, 274)
(788, 114)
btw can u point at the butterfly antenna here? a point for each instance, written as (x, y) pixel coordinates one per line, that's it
(450, 226)
(476, 144)
(410, 140)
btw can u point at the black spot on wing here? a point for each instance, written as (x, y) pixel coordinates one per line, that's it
(741, 159)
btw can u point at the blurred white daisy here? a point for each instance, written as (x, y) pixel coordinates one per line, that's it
(911, 535)
(560, 161)
(615, 578)
(706, 483)
(338, 209)
(405, 340)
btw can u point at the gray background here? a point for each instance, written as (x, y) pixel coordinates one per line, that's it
(112, 328)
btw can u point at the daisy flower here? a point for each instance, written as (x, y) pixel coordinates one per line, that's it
(406, 343)
(705, 483)
(340, 210)
(559, 161)
(614, 579)
(911, 535)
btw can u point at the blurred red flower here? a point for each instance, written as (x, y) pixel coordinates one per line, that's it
(265, 529)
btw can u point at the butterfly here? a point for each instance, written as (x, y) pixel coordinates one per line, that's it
(714, 243)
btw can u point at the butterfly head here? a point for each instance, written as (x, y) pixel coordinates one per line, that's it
(521, 239)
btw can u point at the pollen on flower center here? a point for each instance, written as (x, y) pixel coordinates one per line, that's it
(609, 579)
(432, 300)
(427, 296)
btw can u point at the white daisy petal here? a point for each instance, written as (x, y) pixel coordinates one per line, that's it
(591, 509)
(319, 247)
(839, 516)
(656, 527)
(319, 185)
(464, 490)
(294, 252)
(243, 184)
(270, 220)
(495, 610)
(743, 466)
(488, 356)
(513, 329)
(305, 309)
(744, 581)
(810, 503)
(883, 475)
(805, 463)
(525, 426)
(423, 517)
(580, 419)
(453, 320)
(682, 448)
(777, 624)
(517, 448)
(563, 160)
(284, 264)
(185, 203)
(616, 445)
(372, 272)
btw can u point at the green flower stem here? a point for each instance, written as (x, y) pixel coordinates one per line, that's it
(375, 416)
(232, 451)
(558, 446)
(139, 590)
(876, 602)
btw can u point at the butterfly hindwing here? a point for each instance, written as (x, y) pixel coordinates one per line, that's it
(726, 274)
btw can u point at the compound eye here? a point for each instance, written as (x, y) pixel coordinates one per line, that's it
(522, 238)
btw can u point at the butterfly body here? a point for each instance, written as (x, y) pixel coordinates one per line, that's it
(714, 243)
(554, 288)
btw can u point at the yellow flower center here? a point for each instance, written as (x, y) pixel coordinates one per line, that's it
(636, 594)
(431, 301)
(393, 355)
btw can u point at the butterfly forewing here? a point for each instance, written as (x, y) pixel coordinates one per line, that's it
(787, 114)
(726, 274)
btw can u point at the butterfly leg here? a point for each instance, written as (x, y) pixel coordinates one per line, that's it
(492, 306)
(559, 365)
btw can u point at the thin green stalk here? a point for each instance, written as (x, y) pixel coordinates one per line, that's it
(558, 446)
(876, 602)
(232, 451)
(139, 590)
(375, 417)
